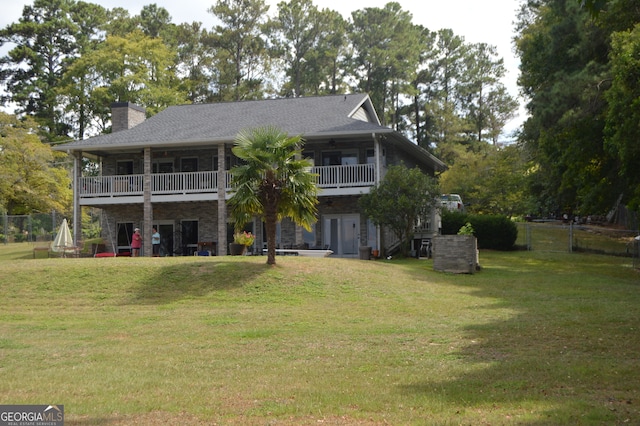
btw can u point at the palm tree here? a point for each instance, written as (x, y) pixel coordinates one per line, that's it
(273, 183)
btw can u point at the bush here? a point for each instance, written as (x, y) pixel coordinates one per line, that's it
(495, 232)
(452, 222)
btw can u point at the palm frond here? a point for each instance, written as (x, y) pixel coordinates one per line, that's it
(273, 170)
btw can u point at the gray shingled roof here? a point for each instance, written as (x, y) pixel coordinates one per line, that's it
(310, 117)
(313, 116)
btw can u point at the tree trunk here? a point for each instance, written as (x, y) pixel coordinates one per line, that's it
(270, 221)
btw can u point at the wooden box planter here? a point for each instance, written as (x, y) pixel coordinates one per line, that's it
(455, 253)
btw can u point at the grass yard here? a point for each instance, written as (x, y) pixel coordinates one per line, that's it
(533, 339)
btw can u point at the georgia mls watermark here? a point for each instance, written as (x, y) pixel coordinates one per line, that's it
(31, 415)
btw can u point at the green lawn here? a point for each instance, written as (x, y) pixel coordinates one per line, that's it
(534, 338)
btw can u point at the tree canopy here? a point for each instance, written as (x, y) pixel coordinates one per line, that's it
(69, 59)
(493, 181)
(29, 180)
(402, 198)
(579, 75)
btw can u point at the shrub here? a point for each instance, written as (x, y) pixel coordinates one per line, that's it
(495, 232)
(452, 222)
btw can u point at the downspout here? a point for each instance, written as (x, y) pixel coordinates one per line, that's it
(222, 202)
(148, 208)
(77, 225)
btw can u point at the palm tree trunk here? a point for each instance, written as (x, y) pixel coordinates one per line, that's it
(270, 222)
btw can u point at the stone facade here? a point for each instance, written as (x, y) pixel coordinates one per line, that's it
(455, 253)
(204, 212)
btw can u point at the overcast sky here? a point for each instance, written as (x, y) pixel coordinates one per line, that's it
(477, 21)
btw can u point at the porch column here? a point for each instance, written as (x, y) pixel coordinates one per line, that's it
(148, 208)
(77, 213)
(377, 147)
(299, 236)
(222, 202)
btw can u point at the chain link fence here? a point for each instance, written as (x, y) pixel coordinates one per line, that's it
(29, 228)
(576, 238)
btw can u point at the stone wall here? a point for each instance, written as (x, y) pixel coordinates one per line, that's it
(455, 253)
(206, 213)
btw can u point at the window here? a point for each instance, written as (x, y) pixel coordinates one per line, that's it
(339, 158)
(349, 159)
(124, 167)
(309, 155)
(189, 165)
(371, 156)
(331, 158)
(162, 166)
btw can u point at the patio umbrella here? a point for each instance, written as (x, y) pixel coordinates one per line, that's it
(63, 241)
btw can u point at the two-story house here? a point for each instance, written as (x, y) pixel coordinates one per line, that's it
(171, 171)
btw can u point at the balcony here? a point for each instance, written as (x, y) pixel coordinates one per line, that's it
(194, 186)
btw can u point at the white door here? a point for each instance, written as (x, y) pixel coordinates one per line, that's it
(341, 233)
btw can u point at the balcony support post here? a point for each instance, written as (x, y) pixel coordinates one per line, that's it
(299, 236)
(222, 202)
(147, 208)
(77, 216)
(377, 148)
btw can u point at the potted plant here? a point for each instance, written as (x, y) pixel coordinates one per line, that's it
(241, 240)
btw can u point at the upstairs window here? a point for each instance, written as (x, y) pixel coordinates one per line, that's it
(189, 165)
(339, 158)
(124, 167)
(162, 166)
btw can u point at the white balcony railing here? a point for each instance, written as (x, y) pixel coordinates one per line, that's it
(185, 183)
(345, 176)
(357, 175)
(111, 186)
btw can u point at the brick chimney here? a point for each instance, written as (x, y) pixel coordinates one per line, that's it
(125, 115)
